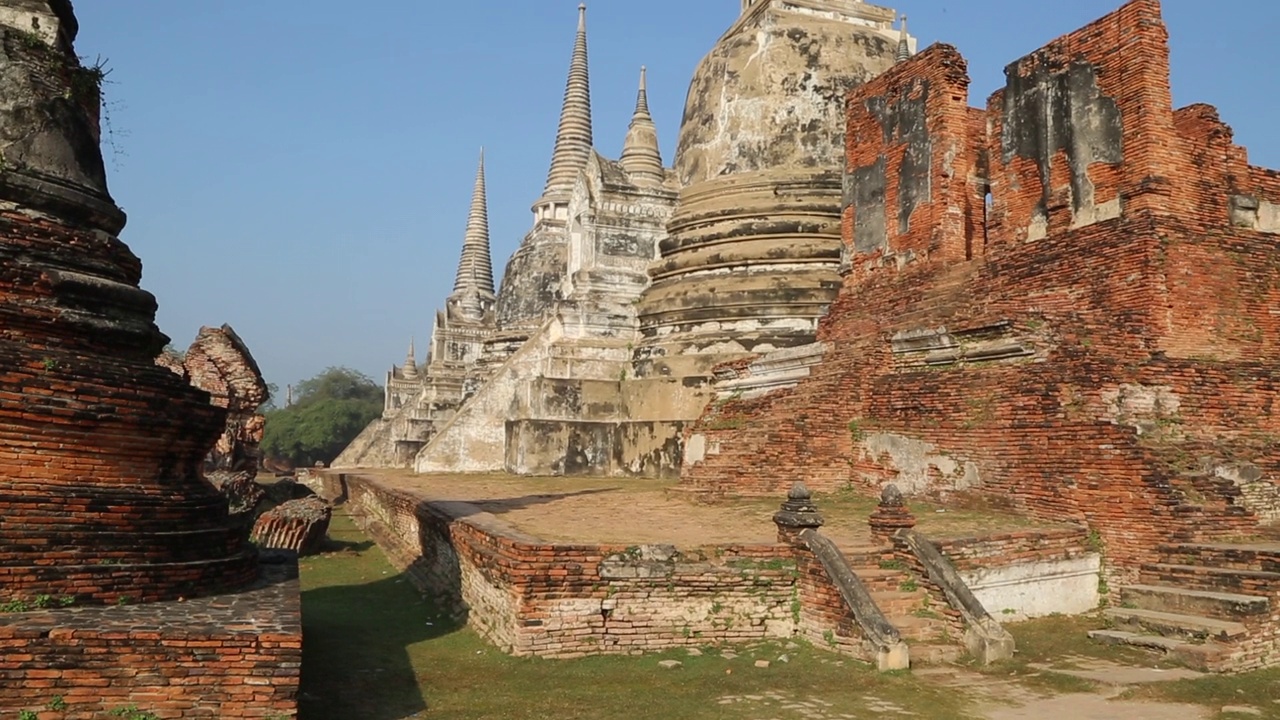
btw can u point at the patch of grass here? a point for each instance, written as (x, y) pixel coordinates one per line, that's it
(1050, 639)
(377, 650)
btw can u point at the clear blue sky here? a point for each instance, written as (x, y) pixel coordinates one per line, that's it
(301, 169)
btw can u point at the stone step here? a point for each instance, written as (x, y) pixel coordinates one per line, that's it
(1220, 605)
(1193, 627)
(1263, 556)
(934, 653)
(1206, 656)
(918, 629)
(1212, 579)
(896, 602)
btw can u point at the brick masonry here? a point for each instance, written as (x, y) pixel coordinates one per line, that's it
(1240, 570)
(297, 525)
(1060, 302)
(532, 597)
(233, 656)
(100, 449)
(219, 363)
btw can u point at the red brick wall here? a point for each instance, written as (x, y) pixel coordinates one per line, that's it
(882, 125)
(532, 597)
(100, 449)
(1144, 341)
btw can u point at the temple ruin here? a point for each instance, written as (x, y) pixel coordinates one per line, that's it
(102, 499)
(637, 279)
(1060, 304)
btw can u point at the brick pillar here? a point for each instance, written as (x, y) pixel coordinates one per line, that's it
(798, 514)
(890, 516)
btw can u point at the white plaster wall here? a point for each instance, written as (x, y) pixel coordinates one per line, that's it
(1037, 589)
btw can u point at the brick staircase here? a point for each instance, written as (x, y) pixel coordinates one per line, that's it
(1210, 606)
(930, 629)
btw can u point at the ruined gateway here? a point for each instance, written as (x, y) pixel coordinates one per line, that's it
(636, 280)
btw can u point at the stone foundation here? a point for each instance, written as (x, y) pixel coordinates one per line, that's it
(532, 597)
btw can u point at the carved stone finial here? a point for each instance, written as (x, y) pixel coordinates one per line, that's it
(573, 136)
(798, 514)
(641, 157)
(410, 368)
(891, 515)
(475, 267)
(891, 496)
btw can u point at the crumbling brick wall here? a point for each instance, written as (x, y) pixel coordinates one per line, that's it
(219, 363)
(1078, 347)
(241, 659)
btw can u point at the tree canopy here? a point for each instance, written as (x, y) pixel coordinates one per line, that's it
(327, 413)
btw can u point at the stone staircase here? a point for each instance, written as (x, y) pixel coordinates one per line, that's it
(930, 629)
(1209, 606)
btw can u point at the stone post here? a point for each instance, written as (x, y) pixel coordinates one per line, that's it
(798, 514)
(890, 516)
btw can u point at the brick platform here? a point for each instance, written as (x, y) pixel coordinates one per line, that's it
(533, 597)
(232, 656)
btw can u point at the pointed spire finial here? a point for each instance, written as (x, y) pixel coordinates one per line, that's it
(475, 269)
(410, 369)
(641, 156)
(904, 45)
(573, 137)
(642, 98)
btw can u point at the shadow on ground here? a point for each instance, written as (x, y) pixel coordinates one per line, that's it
(498, 506)
(360, 617)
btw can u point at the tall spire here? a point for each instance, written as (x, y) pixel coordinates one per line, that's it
(573, 139)
(904, 46)
(641, 157)
(475, 270)
(410, 369)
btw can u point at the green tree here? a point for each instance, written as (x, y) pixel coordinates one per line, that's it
(327, 413)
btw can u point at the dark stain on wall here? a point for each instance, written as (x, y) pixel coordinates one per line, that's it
(1050, 108)
(865, 192)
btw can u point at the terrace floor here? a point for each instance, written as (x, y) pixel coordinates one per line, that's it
(625, 511)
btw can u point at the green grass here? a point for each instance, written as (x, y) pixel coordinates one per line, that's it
(1260, 689)
(370, 653)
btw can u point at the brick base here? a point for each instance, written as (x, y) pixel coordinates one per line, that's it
(228, 656)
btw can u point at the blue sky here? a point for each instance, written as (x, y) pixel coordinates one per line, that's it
(302, 169)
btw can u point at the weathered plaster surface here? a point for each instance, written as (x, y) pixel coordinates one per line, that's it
(1037, 589)
(920, 465)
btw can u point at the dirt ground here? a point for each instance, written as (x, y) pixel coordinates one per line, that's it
(637, 512)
